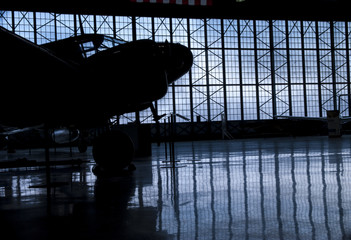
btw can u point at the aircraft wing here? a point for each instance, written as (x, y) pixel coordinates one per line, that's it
(324, 119)
(296, 118)
(345, 119)
(35, 77)
(13, 130)
(17, 50)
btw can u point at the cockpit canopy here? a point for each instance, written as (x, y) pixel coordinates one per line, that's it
(79, 48)
(90, 47)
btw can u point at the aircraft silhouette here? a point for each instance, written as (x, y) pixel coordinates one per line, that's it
(84, 81)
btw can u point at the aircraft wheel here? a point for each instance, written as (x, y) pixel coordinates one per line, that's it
(113, 151)
(82, 147)
(131, 167)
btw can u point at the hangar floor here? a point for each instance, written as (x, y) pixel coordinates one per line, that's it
(273, 188)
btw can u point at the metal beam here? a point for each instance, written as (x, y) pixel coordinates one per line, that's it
(258, 112)
(332, 43)
(288, 65)
(319, 72)
(207, 73)
(271, 46)
(241, 72)
(303, 69)
(348, 66)
(224, 72)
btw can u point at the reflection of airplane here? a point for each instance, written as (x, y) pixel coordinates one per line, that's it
(83, 81)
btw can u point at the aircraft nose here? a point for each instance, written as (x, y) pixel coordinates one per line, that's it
(179, 62)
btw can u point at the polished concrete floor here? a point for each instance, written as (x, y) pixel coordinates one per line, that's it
(274, 188)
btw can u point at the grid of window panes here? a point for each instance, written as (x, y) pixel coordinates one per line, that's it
(243, 69)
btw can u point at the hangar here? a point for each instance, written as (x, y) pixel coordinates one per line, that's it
(264, 77)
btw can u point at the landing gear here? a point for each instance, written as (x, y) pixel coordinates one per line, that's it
(82, 146)
(113, 151)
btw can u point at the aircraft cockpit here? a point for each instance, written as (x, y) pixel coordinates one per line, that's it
(79, 48)
(97, 43)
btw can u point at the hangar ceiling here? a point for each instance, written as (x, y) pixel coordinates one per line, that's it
(248, 9)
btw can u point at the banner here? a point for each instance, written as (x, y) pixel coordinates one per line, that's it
(178, 2)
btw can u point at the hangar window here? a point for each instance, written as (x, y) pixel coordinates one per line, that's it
(245, 69)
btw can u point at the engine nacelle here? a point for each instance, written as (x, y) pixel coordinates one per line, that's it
(65, 135)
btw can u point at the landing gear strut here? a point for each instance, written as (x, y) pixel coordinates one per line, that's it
(113, 151)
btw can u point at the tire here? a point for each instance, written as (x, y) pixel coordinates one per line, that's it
(82, 147)
(113, 151)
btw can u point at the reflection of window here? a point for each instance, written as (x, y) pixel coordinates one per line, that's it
(109, 43)
(88, 49)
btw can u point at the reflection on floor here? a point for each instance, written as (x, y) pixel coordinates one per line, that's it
(275, 188)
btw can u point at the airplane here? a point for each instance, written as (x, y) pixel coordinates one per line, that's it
(85, 80)
(335, 121)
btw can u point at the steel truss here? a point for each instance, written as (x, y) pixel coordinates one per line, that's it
(244, 69)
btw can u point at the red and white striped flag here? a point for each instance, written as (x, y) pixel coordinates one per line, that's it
(179, 2)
